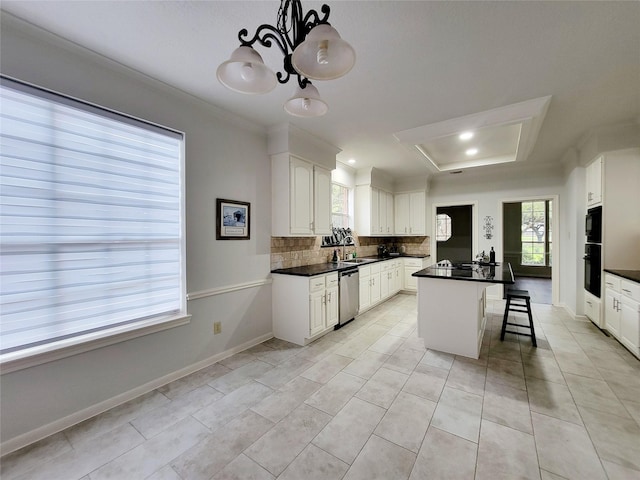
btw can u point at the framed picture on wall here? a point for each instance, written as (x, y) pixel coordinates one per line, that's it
(233, 220)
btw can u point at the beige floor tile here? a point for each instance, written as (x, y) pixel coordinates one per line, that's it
(565, 449)
(240, 376)
(335, 393)
(366, 364)
(426, 385)
(152, 455)
(167, 415)
(314, 464)
(217, 450)
(596, 394)
(618, 472)
(327, 368)
(230, 406)
(506, 372)
(243, 468)
(507, 406)
(20, 461)
(467, 376)
(279, 446)
(318, 350)
(625, 386)
(381, 389)
(505, 350)
(284, 372)
(277, 356)
(279, 404)
(238, 360)
(633, 408)
(165, 473)
(381, 459)
(458, 413)
(505, 453)
(415, 343)
(542, 368)
(346, 434)
(577, 364)
(616, 439)
(191, 382)
(445, 456)
(115, 417)
(402, 329)
(552, 399)
(87, 456)
(387, 344)
(438, 359)
(404, 360)
(406, 421)
(550, 476)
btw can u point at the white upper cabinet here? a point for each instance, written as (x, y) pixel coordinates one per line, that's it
(374, 211)
(301, 193)
(410, 211)
(594, 182)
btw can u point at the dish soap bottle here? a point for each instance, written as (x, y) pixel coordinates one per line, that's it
(335, 256)
(492, 256)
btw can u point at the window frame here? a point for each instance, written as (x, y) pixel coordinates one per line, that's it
(83, 342)
(545, 242)
(349, 215)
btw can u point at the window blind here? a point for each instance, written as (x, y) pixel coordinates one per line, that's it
(91, 229)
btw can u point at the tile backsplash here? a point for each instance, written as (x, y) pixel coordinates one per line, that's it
(289, 252)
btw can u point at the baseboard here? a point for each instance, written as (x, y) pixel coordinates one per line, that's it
(57, 426)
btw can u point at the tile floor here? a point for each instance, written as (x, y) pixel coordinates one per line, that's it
(369, 402)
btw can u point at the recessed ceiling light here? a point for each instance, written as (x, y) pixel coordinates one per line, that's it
(466, 136)
(352, 161)
(471, 151)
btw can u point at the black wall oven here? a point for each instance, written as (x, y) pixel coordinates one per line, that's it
(593, 225)
(592, 268)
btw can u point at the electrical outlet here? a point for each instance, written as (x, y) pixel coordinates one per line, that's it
(217, 328)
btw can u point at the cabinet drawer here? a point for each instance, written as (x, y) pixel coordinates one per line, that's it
(375, 268)
(386, 265)
(316, 283)
(331, 280)
(612, 281)
(630, 289)
(364, 271)
(413, 263)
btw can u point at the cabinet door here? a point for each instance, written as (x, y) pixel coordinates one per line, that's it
(332, 307)
(594, 182)
(612, 312)
(375, 211)
(390, 214)
(630, 323)
(322, 201)
(316, 312)
(410, 283)
(365, 292)
(375, 287)
(401, 211)
(397, 278)
(417, 213)
(382, 212)
(385, 283)
(301, 191)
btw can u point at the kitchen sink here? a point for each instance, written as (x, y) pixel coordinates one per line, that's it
(357, 261)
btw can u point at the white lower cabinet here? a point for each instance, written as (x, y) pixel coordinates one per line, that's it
(304, 308)
(622, 311)
(592, 308)
(411, 266)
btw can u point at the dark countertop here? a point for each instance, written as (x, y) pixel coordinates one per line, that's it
(501, 273)
(633, 275)
(322, 268)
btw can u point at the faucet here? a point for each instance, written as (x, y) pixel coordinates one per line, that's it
(344, 242)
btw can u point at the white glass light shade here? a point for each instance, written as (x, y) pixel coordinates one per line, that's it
(306, 102)
(323, 55)
(245, 72)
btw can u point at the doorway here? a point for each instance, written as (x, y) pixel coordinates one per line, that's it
(454, 233)
(528, 245)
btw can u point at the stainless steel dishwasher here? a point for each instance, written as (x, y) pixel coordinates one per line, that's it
(349, 295)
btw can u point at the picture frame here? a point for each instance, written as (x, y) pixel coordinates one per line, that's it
(233, 220)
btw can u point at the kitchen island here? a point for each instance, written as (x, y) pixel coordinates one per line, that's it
(452, 303)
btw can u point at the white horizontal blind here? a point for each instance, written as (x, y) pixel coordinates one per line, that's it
(91, 220)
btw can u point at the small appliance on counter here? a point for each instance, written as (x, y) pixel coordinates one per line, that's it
(383, 251)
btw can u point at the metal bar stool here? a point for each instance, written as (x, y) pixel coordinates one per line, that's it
(518, 307)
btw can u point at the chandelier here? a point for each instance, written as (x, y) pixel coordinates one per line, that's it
(312, 50)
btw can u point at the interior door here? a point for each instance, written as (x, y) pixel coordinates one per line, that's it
(454, 231)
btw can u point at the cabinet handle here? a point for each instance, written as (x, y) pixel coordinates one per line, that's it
(373, 280)
(329, 297)
(588, 302)
(625, 290)
(615, 306)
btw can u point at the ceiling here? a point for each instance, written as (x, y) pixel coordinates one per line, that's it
(418, 63)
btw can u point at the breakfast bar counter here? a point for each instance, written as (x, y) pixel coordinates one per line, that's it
(452, 303)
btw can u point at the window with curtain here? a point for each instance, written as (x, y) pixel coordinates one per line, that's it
(91, 220)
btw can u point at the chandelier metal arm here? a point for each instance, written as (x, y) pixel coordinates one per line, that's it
(309, 23)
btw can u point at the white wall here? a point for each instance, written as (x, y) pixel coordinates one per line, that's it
(488, 192)
(226, 157)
